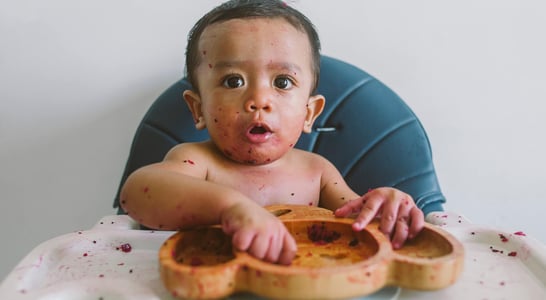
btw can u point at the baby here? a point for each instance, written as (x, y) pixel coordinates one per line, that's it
(254, 67)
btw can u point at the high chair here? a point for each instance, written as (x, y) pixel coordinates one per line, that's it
(365, 130)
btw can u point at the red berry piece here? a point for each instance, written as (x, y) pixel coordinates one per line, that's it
(126, 248)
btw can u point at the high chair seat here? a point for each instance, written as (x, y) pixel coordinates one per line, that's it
(365, 130)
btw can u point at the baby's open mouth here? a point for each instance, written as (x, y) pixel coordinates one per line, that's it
(259, 133)
(258, 130)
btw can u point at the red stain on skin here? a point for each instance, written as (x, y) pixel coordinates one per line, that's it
(520, 233)
(146, 189)
(291, 145)
(204, 52)
(210, 66)
(189, 161)
(310, 203)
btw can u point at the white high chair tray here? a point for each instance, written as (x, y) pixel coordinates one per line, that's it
(114, 260)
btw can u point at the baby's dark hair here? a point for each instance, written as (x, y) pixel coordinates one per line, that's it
(243, 9)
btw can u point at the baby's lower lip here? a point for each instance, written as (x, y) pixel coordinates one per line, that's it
(258, 138)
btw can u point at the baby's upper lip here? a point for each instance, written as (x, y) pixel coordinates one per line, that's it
(259, 128)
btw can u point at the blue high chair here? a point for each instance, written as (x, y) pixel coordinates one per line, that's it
(365, 130)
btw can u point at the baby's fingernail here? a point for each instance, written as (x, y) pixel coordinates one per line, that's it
(395, 245)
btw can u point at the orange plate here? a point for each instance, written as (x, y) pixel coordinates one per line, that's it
(332, 261)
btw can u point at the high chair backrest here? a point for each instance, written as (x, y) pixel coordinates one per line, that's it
(365, 130)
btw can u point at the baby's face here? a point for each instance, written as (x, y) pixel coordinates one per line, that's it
(254, 79)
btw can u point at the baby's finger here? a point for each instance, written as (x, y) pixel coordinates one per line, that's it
(289, 250)
(274, 249)
(417, 222)
(259, 246)
(349, 207)
(400, 234)
(389, 214)
(368, 212)
(242, 239)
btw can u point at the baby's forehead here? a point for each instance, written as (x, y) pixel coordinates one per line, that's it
(227, 26)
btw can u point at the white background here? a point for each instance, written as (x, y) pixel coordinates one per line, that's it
(77, 76)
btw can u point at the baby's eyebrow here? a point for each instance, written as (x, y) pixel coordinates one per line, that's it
(282, 66)
(226, 64)
(285, 66)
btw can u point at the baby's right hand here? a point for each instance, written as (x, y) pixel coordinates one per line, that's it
(258, 232)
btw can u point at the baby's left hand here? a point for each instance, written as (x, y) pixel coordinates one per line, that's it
(401, 219)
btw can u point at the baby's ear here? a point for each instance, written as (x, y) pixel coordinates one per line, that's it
(194, 104)
(315, 105)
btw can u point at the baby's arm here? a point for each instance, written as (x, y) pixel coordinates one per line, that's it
(400, 219)
(174, 194)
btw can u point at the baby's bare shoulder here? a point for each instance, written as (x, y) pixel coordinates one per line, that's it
(191, 152)
(310, 158)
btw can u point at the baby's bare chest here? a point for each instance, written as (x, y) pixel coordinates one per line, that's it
(266, 187)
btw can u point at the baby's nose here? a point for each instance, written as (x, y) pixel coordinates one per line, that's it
(258, 101)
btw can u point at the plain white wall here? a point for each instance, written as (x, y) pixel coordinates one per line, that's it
(77, 76)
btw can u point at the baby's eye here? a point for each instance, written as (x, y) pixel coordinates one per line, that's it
(233, 82)
(283, 83)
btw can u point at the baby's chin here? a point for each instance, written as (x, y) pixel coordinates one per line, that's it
(252, 159)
